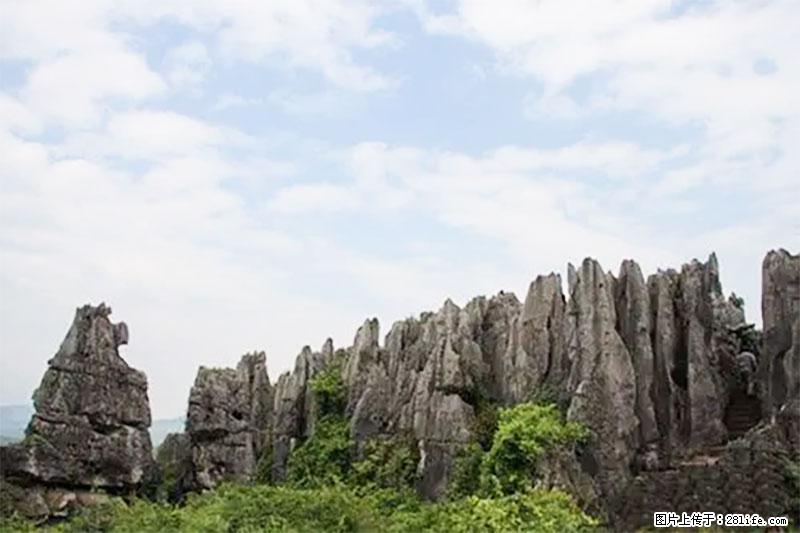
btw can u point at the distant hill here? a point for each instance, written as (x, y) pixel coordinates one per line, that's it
(14, 419)
(160, 429)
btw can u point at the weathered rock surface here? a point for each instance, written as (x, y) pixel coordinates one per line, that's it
(293, 405)
(780, 362)
(780, 306)
(423, 383)
(694, 355)
(90, 428)
(174, 458)
(537, 355)
(228, 421)
(632, 301)
(746, 476)
(602, 379)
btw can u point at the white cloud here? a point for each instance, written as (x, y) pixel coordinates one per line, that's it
(145, 135)
(187, 65)
(72, 89)
(310, 34)
(699, 65)
(312, 198)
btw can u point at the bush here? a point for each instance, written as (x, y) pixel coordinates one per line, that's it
(337, 508)
(524, 433)
(329, 389)
(466, 477)
(324, 458)
(387, 463)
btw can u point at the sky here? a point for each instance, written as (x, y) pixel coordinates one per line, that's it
(243, 175)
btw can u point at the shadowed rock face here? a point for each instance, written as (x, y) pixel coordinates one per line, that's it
(780, 362)
(90, 428)
(293, 405)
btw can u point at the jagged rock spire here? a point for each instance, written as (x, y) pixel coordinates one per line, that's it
(90, 427)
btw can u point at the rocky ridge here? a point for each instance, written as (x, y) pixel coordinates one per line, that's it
(649, 366)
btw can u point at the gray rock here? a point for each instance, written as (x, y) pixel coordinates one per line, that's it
(634, 326)
(669, 363)
(710, 349)
(602, 379)
(228, 420)
(174, 457)
(780, 306)
(90, 427)
(293, 405)
(537, 353)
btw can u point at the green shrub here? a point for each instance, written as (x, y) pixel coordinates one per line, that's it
(324, 458)
(524, 433)
(535, 511)
(337, 508)
(466, 477)
(329, 389)
(387, 463)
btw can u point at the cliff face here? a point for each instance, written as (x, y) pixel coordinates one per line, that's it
(90, 428)
(780, 364)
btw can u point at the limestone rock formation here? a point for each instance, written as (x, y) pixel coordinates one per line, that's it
(780, 305)
(710, 349)
(694, 354)
(602, 379)
(537, 357)
(228, 420)
(174, 457)
(780, 360)
(632, 301)
(669, 361)
(90, 428)
(422, 383)
(293, 405)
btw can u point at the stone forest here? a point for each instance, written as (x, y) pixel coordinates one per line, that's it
(586, 406)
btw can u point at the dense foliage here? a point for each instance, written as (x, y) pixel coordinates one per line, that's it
(324, 458)
(332, 509)
(524, 434)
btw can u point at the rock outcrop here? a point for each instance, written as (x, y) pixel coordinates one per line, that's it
(537, 355)
(602, 381)
(293, 405)
(90, 427)
(780, 361)
(228, 421)
(632, 300)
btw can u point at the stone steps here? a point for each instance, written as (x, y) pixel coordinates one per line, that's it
(742, 414)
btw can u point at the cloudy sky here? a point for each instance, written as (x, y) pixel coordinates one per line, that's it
(240, 175)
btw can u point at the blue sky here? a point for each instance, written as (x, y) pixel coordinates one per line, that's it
(232, 176)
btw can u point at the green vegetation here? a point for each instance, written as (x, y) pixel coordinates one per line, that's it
(332, 488)
(387, 464)
(524, 434)
(332, 509)
(324, 458)
(792, 474)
